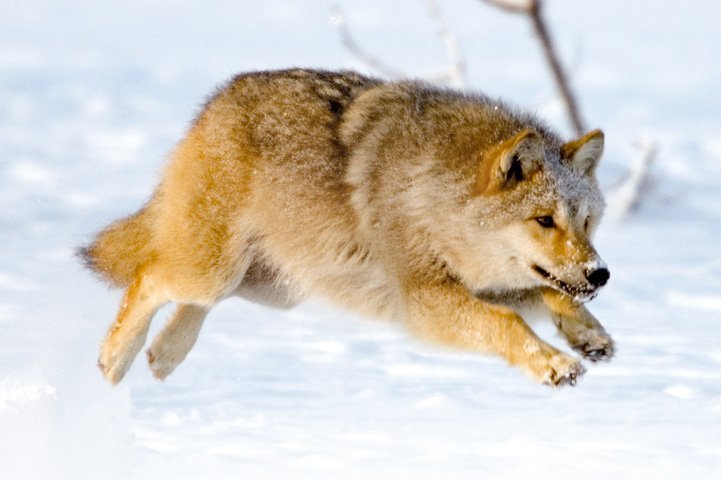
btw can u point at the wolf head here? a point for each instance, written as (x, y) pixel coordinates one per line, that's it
(535, 205)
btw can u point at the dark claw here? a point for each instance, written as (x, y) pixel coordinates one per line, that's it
(595, 354)
(571, 378)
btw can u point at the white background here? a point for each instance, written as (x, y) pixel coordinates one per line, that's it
(94, 94)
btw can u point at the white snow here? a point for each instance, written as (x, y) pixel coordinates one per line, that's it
(94, 94)
(14, 392)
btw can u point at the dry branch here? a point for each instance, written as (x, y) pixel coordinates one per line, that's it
(370, 62)
(454, 73)
(533, 9)
(520, 6)
(626, 198)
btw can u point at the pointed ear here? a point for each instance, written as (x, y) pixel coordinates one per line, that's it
(513, 161)
(583, 154)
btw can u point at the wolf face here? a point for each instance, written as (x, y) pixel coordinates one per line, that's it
(536, 206)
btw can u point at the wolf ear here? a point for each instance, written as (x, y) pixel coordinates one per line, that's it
(514, 160)
(583, 154)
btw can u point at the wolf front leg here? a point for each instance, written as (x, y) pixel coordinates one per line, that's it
(446, 313)
(584, 333)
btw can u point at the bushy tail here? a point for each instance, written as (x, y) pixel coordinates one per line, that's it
(121, 249)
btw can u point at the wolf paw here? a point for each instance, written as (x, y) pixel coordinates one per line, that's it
(596, 347)
(114, 362)
(162, 362)
(563, 370)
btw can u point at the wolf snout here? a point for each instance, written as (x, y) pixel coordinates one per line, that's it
(598, 277)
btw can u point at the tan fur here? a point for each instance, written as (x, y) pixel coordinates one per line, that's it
(396, 200)
(526, 146)
(121, 249)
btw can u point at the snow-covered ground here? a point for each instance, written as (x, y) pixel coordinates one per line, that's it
(93, 95)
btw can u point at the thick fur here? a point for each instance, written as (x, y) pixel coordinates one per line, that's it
(396, 200)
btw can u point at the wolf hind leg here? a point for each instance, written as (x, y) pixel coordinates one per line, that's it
(172, 344)
(127, 334)
(194, 300)
(178, 336)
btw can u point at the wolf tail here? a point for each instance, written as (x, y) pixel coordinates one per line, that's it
(121, 249)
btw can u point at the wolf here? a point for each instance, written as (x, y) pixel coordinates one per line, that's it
(449, 212)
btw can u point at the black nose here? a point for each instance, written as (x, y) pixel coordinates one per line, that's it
(599, 277)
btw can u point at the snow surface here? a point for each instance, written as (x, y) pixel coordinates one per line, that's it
(93, 95)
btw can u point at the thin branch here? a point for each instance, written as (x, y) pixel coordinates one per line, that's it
(532, 8)
(559, 74)
(349, 42)
(627, 196)
(454, 74)
(520, 6)
(456, 71)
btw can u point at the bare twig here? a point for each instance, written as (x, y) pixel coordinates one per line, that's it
(520, 6)
(627, 196)
(349, 42)
(455, 72)
(559, 75)
(532, 8)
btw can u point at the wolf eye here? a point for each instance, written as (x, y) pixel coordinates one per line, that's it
(587, 223)
(546, 221)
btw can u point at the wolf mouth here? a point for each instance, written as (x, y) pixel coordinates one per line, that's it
(579, 294)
